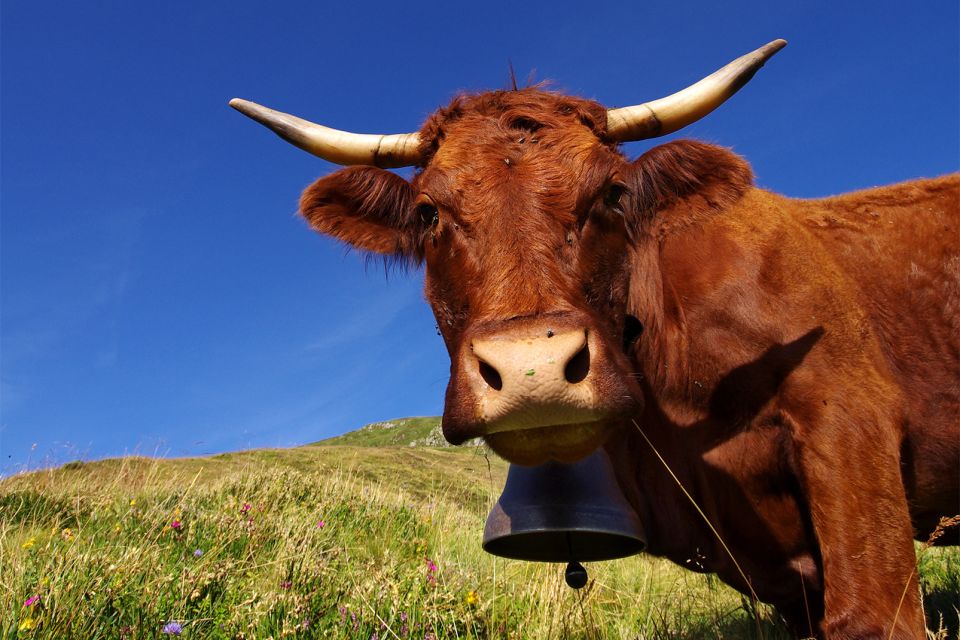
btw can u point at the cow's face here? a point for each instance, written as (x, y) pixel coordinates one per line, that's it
(526, 216)
(523, 216)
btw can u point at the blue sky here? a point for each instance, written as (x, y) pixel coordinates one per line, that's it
(158, 293)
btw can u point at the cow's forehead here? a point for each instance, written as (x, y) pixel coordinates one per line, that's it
(546, 141)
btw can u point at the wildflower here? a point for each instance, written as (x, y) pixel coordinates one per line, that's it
(133, 502)
(197, 553)
(67, 534)
(29, 543)
(431, 570)
(117, 529)
(286, 584)
(246, 507)
(472, 598)
(26, 624)
(321, 524)
(305, 624)
(172, 629)
(176, 525)
(32, 600)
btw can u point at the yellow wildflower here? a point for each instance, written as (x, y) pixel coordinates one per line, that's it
(472, 598)
(133, 502)
(29, 543)
(26, 624)
(67, 533)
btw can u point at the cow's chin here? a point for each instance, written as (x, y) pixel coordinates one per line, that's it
(560, 443)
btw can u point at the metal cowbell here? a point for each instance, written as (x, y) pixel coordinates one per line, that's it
(563, 513)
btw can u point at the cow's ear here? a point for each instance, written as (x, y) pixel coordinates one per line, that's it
(368, 208)
(688, 179)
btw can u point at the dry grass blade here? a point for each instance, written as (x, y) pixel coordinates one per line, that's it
(941, 528)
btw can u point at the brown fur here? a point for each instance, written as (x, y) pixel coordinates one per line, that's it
(799, 365)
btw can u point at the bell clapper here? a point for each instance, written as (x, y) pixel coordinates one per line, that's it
(576, 575)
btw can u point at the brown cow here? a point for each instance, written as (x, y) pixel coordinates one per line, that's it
(792, 365)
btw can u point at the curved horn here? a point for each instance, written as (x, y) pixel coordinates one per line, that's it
(666, 115)
(340, 147)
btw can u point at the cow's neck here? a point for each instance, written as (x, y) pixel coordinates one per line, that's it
(666, 434)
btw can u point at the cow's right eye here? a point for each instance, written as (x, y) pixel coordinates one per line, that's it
(613, 196)
(428, 214)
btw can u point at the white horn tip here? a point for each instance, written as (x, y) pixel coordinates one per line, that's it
(776, 45)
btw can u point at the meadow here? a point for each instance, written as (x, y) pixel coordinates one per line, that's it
(334, 540)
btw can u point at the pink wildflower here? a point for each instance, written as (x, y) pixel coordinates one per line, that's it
(431, 570)
(246, 507)
(321, 524)
(286, 584)
(176, 525)
(32, 600)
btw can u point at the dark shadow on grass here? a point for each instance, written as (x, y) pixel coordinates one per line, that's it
(941, 604)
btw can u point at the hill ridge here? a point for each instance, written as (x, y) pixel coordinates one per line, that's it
(416, 431)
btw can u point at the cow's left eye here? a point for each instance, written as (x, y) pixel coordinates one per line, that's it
(428, 214)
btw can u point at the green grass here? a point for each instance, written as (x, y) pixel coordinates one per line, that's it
(393, 433)
(96, 542)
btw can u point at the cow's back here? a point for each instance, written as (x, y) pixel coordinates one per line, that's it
(900, 246)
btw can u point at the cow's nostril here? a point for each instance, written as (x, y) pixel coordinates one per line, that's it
(632, 328)
(578, 366)
(491, 376)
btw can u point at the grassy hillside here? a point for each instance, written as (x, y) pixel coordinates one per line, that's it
(423, 432)
(325, 541)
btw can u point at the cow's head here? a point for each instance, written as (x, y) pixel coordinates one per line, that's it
(523, 211)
